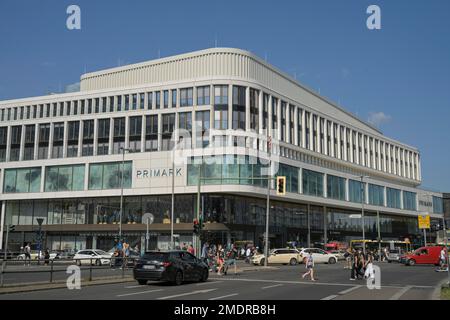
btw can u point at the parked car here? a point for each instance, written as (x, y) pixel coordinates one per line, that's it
(340, 254)
(423, 255)
(92, 256)
(394, 255)
(173, 266)
(319, 255)
(282, 256)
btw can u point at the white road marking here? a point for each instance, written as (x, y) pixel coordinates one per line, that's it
(273, 286)
(140, 292)
(186, 294)
(400, 293)
(349, 290)
(329, 297)
(211, 282)
(228, 295)
(132, 287)
(289, 282)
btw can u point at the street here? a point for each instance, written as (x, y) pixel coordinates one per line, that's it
(398, 282)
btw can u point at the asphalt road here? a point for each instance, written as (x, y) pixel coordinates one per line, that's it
(398, 282)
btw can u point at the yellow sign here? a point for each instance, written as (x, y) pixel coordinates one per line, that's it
(424, 222)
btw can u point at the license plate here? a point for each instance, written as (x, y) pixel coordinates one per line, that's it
(149, 267)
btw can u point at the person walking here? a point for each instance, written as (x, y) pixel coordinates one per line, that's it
(248, 252)
(369, 271)
(220, 259)
(309, 267)
(348, 258)
(125, 254)
(443, 258)
(231, 259)
(46, 257)
(354, 265)
(27, 252)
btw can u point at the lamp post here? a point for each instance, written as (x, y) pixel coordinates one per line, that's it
(121, 189)
(269, 171)
(363, 199)
(39, 221)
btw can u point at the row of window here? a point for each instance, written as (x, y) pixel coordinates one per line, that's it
(102, 176)
(285, 121)
(245, 170)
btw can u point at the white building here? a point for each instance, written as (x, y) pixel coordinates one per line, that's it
(61, 158)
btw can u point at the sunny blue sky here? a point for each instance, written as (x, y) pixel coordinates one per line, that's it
(398, 77)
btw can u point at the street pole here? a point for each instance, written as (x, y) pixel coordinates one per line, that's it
(147, 236)
(266, 236)
(362, 214)
(379, 233)
(446, 250)
(309, 225)
(425, 237)
(173, 199)
(121, 194)
(197, 250)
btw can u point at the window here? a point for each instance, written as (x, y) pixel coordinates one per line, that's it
(356, 191)
(150, 100)
(335, 187)
(221, 95)
(274, 115)
(312, 183)
(166, 98)
(28, 152)
(438, 205)
(58, 140)
(103, 136)
(108, 175)
(118, 135)
(186, 97)
(119, 103)
(16, 137)
(44, 137)
(141, 101)
(3, 143)
(376, 195)
(134, 102)
(393, 198)
(265, 110)
(127, 102)
(72, 139)
(88, 138)
(203, 96)
(135, 133)
(151, 133)
(168, 125)
(64, 178)
(238, 107)
(203, 122)
(174, 98)
(254, 109)
(22, 180)
(409, 200)
(185, 123)
(158, 99)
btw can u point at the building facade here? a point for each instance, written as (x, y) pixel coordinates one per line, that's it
(68, 158)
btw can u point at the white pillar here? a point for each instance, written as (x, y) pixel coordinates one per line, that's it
(95, 144)
(260, 112)
(127, 131)
(311, 131)
(80, 139)
(111, 136)
(8, 144)
(339, 155)
(36, 141)
(22, 142)
(303, 142)
(143, 133)
(333, 151)
(50, 142)
(66, 136)
(295, 138)
(279, 119)
(247, 109)
(287, 133)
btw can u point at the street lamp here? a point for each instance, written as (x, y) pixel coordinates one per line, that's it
(121, 188)
(363, 199)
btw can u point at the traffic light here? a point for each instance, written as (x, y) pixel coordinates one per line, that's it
(281, 186)
(196, 227)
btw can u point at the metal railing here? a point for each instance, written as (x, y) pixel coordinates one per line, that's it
(55, 266)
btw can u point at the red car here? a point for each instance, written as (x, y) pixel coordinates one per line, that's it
(423, 255)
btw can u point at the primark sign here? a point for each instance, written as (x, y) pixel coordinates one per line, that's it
(158, 173)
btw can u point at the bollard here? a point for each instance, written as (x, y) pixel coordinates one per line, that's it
(51, 271)
(90, 270)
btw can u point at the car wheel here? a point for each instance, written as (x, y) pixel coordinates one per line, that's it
(204, 276)
(19, 258)
(411, 262)
(178, 278)
(97, 262)
(142, 282)
(332, 260)
(293, 262)
(261, 262)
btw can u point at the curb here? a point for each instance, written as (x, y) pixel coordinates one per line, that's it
(436, 295)
(59, 285)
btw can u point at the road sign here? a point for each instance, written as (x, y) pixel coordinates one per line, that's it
(424, 221)
(148, 218)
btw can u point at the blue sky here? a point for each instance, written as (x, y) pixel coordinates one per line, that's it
(400, 74)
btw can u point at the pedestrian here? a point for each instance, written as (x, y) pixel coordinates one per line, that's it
(204, 255)
(191, 249)
(369, 271)
(443, 258)
(348, 258)
(231, 259)
(309, 267)
(247, 255)
(220, 259)
(27, 252)
(46, 257)
(125, 254)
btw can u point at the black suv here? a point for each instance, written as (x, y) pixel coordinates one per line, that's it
(173, 266)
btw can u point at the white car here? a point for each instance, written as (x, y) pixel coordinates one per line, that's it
(319, 255)
(92, 256)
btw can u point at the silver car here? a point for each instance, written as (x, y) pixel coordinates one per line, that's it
(394, 255)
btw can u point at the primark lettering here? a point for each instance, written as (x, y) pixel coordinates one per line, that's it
(156, 173)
